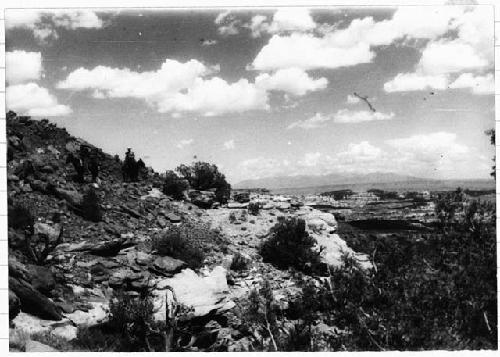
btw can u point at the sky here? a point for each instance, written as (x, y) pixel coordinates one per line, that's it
(265, 92)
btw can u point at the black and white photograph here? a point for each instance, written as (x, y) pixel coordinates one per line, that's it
(251, 179)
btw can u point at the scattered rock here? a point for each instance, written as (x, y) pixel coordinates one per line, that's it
(169, 265)
(35, 346)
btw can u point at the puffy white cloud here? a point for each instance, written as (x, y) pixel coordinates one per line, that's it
(183, 143)
(31, 99)
(22, 66)
(291, 80)
(429, 148)
(415, 81)
(227, 24)
(306, 51)
(258, 25)
(342, 116)
(292, 19)
(470, 49)
(346, 116)
(229, 145)
(477, 84)
(333, 47)
(189, 87)
(316, 121)
(44, 23)
(443, 57)
(176, 87)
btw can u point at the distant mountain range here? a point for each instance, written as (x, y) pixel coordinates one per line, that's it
(279, 182)
(309, 184)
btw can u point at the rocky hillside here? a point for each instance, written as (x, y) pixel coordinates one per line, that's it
(74, 245)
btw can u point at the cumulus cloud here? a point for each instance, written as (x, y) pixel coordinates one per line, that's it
(346, 116)
(421, 155)
(22, 66)
(229, 145)
(291, 19)
(291, 80)
(189, 87)
(306, 51)
(477, 84)
(470, 49)
(334, 47)
(414, 81)
(44, 23)
(227, 24)
(316, 121)
(31, 99)
(184, 143)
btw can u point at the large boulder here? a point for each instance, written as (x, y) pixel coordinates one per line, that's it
(33, 302)
(35, 346)
(202, 199)
(169, 265)
(74, 198)
(42, 279)
(203, 294)
(52, 231)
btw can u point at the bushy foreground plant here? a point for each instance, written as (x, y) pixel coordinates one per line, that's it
(20, 217)
(433, 291)
(180, 243)
(290, 245)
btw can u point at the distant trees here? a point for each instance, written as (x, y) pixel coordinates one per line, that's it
(491, 134)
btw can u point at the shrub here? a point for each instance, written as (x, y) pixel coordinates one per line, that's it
(20, 217)
(174, 185)
(239, 262)
(232, 217)
(289, 245)
(204, 176)
(91, 209)
(133, 318)
(178, 242)
(253, 208)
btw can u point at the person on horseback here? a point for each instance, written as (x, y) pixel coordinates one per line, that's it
(129, 165)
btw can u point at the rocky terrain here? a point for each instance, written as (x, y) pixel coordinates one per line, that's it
(57, 288)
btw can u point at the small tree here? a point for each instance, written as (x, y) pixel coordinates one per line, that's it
(174, 185)
(204, 176)
(291, 246)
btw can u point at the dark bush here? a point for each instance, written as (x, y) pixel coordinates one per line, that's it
(289, 245)
(20, 217)
(204, 176)
(239, 262)
(174, 185)
(253, 208)
(91, 208)
(133, 318)
(180, 243)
